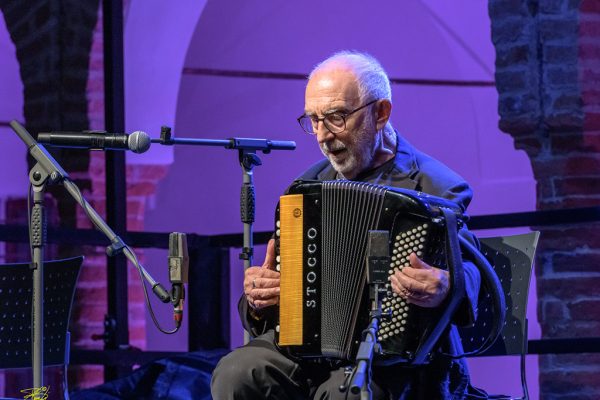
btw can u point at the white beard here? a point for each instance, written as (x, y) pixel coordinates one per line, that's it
(360, 152)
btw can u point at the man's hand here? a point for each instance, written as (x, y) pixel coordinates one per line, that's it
(421, 284)
(261, 284)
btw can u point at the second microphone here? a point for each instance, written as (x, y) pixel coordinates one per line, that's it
(138, 141)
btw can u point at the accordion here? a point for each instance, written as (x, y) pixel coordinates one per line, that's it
(321, 244)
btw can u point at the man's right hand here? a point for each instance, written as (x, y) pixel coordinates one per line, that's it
(261, 284)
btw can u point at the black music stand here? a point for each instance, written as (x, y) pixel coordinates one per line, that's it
(16, 280)
(512, 258)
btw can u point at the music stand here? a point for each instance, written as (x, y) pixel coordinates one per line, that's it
(512, 258)
(16, 280)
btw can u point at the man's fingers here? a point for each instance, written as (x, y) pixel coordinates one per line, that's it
(258, 304)
(396, 287)
(259, 272)
(270, 255)
(409, 283)
(266, 273)
(261, 283)
(249, 275)
(417, 263)
(412, 297)
(419, 299)
(420, 275)
(433, 279)
(264, 294)
(261, 276)
(260, 298)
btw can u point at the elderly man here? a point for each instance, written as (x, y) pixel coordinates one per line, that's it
(348, 107)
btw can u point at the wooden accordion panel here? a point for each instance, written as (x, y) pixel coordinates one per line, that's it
(291, 262)
(321, 231)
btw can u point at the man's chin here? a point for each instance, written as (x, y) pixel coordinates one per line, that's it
(349, 168)
(343, 168)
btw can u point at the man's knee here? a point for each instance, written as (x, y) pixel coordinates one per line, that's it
(234, 373)
(255, 371)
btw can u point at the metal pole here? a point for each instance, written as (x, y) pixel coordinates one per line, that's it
(38, 236)
(116, 210)
(248, 187)
(248, 160)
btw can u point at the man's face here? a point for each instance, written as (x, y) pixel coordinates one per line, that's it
(336, 90)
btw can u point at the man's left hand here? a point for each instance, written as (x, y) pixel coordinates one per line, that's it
(421, 284)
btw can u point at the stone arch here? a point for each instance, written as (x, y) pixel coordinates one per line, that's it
(157, 37)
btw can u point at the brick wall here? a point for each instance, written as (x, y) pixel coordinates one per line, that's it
(52, 40)
(91, 301)
(547, 76)
(59, 49)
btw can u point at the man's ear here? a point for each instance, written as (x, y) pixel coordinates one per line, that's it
(384, 110)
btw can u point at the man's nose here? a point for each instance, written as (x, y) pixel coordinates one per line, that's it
(323, 134)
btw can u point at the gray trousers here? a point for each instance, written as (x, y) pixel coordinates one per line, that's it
(259, 371)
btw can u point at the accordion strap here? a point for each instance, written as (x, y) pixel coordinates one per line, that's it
(490, 280)
(457, 288)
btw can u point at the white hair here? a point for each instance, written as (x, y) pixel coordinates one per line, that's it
(373, 82)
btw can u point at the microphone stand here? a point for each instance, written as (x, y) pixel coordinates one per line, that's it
(48, 171)
(361, 379)
(378, 261)
(248, 159)
(37, 236)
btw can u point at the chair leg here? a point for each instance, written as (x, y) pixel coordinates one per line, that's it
(65, 384)
(523, 364)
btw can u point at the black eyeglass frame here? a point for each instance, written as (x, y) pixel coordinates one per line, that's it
(324, 119)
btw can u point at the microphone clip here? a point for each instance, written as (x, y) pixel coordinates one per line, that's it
(115, 248)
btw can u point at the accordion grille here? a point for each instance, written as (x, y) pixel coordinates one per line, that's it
(349, 211)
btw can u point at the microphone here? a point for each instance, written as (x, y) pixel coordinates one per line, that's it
(378, 257)
(138, 141)
(178, 272)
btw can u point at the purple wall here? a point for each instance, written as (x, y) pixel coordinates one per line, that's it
(13, 168)
(155, 44)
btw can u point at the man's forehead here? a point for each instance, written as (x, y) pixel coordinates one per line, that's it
(332, 88)
(333, 78)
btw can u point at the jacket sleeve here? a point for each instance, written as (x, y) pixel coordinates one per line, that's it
(257, 322)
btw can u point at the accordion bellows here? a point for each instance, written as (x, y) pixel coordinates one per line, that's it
(321, 243)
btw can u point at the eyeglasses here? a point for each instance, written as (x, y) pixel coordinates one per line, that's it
(334, 122)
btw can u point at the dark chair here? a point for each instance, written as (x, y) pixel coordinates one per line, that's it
(16, 282)
(512, 259)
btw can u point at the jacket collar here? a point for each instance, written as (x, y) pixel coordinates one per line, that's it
(405, 162)
(403, 167)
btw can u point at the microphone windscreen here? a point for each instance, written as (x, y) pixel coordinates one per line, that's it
(139, 142)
